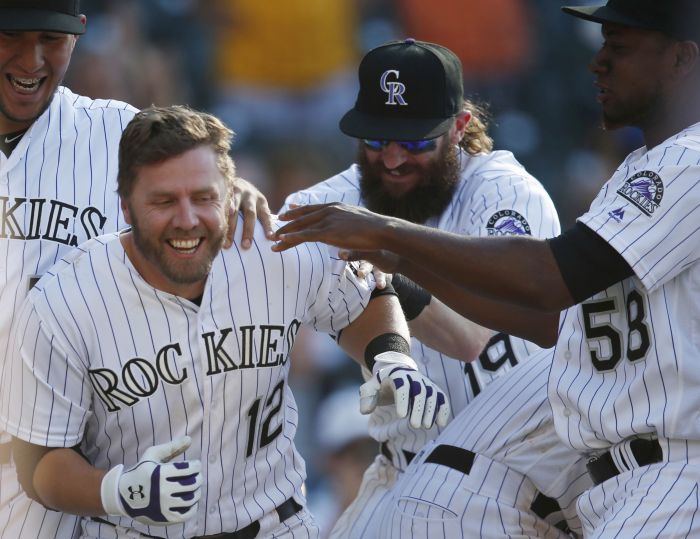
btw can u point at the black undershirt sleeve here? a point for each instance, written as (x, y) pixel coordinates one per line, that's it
(587, 262)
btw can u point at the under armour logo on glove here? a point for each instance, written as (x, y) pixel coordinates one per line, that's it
(154, 490)
(134, 491)
(414, 395)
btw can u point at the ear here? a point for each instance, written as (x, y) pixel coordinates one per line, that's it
(686, 57)
(461, 122)
(125, 210)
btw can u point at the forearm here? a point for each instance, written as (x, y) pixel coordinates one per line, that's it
(66, 482)
(516, 270)
(383, 315)
(448, 332)
(530, 324)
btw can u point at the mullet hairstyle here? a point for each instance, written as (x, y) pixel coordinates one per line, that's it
(476, 139)
(159, 133)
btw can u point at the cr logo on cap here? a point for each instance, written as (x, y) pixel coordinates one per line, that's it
(395, 89)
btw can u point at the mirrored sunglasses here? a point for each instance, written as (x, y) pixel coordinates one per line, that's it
(411, 146)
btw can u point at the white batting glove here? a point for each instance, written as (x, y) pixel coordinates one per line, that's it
(414, 394)
(154, 490)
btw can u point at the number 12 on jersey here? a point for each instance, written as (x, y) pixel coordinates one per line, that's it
(271, 427)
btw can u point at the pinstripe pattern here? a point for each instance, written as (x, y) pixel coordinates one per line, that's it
(510, 428)
(106, 359)
(625, 362)
(660, 500)
(56, 190)
(488, 184)
(661, 302)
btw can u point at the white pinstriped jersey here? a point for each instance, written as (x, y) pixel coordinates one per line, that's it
(511, 423)
(108, 361)
(495, 195)
(626, 361)
(57, 189)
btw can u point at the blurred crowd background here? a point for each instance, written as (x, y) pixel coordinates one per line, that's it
(282, 73)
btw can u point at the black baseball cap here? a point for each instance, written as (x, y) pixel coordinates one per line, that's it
(676, 18)
(409, 90)
(61, 16)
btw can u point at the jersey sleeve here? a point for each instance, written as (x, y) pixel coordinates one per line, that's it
(342, 295)
(650, 217)
(302, 198)
(509, 204)
(343, 187)
(45, 390)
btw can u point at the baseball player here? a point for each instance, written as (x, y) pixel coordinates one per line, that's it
(57, 169)
(497, 470)
(58, 164)
(424, 155)
(623, 384)
(163, 360)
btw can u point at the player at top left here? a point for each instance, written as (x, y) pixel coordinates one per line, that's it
(58, 165)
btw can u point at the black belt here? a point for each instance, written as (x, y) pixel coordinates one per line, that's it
(384, 449)
(5, 453)
(284, 511)
(462, 460)
(603, 467)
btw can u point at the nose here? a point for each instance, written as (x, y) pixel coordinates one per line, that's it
(598, 63)
(30, 54)
(185, 217)
(393, 155)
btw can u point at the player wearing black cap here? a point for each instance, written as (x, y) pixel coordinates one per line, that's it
(424, 154)
(623, 385)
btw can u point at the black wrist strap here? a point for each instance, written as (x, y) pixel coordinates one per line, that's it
(386, 342)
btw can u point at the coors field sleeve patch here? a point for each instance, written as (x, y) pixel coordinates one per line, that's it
(645, 190)
(507, 223)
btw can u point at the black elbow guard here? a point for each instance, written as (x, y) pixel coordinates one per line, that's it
(413, 298)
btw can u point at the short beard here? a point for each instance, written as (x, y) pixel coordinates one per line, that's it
(428, 199)
(186, 273)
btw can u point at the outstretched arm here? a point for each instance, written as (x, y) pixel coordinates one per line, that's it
(478, 311)
(513, 269)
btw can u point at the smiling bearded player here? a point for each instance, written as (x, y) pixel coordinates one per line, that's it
(424, 155)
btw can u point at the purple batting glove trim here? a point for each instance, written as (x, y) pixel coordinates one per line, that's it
(397, 369)
(181, 465)
(440, 399)
(398, 383)
(416, 388)
(184, 496)
(152, 510)
(185, 480)
(429, 391)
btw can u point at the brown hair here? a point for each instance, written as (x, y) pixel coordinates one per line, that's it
(159, 133)
(476, 138)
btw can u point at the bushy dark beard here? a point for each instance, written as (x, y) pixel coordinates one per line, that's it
(428, 199)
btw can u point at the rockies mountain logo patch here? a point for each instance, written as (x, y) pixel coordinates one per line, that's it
(507, 223)
(645, 190)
